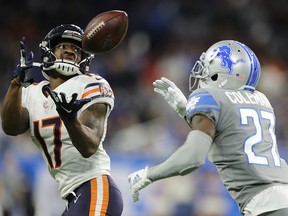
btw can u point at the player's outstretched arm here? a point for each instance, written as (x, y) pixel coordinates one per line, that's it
(172, 94)
(15, 118)
(191, 155)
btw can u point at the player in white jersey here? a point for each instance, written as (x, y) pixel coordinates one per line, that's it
(67, 116)
(233, 125)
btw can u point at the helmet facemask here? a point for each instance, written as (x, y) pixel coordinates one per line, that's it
(200, 70)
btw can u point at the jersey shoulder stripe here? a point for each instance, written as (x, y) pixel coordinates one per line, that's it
(200, 101)
(91, 89)
(97, 89)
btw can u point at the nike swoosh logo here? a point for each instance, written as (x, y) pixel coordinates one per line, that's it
(68, 111)
(76, 198)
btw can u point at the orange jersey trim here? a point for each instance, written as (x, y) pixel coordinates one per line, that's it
(90, 92)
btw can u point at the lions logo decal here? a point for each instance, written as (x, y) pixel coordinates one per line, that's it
(224, 53)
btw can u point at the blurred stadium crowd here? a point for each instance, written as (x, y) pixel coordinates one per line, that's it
(165, 38)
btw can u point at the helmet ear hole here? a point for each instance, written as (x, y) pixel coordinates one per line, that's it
(214, 77)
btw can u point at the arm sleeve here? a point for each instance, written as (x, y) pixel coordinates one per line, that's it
(190, 156)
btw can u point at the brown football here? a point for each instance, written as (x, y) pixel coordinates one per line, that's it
(105, 31)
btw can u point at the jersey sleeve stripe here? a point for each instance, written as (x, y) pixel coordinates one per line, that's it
(101, 96)
(207, 100)
(92, 85)
(91, 91)
(205, 109)
(200, 94)
(202, 103)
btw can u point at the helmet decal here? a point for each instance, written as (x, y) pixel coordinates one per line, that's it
(224, 53)
(72, 34)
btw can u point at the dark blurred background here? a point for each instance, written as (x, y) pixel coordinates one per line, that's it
(165, 38)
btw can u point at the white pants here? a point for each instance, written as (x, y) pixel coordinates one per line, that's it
(271, 199)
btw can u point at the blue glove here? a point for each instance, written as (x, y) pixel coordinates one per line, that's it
(66, 111)
(22, 70)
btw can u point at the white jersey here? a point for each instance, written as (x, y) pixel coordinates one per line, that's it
(48, 132)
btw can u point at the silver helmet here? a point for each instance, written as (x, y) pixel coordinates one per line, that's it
(226, 64)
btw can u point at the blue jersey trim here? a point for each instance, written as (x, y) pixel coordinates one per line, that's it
(255, 70)
(202, 101)
(205, 109)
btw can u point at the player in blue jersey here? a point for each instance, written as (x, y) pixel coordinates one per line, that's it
(67, 117)
(233, 125)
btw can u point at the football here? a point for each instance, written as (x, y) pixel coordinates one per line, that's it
(105, 31)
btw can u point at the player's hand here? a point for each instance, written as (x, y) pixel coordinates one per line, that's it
(22, 70)
(66, 110)
(172, 94)
(138, 180)
(47, 56)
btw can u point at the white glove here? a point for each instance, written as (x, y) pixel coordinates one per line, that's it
(138, 180)
(172, 94)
